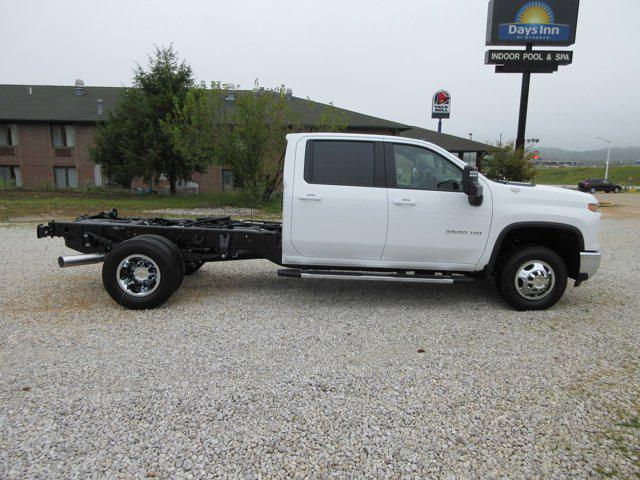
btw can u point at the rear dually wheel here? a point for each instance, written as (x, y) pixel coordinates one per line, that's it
(141, 273)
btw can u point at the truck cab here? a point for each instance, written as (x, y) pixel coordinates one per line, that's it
(379, 202)
(363, 207)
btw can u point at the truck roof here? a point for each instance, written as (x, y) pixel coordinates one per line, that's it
(294, 137)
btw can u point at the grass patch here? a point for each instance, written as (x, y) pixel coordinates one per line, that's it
(69, 204)
(625, 436)
(606, 473)
(573, 175)
(633, 422)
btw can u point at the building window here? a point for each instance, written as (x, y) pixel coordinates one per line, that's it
(10, 176)
(227, 179)
(65, 177)
(63, 135)
(8, 134)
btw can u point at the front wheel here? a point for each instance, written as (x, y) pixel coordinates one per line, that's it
(141, 273)
(533, 278)
(616, 190)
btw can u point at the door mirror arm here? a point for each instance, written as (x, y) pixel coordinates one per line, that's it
(471, 186)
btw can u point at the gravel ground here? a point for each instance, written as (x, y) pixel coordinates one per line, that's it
(246, 375)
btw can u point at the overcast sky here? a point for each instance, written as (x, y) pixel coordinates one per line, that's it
(377, 57)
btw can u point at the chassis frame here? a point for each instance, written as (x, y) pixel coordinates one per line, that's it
(205, 239)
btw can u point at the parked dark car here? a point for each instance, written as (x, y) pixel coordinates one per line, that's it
(594, 185)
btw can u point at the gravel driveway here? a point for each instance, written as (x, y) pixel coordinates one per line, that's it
(244, 374)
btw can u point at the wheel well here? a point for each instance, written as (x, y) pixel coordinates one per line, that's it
(565, 242)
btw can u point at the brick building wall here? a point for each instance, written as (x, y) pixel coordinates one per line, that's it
(37, 158)
(210, 181)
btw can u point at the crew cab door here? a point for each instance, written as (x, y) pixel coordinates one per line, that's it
(339, 204)
(430, 218)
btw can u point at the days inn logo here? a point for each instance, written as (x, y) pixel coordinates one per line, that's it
(534, 21)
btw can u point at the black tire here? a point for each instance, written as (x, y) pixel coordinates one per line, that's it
(592, 190)
(511, 266)
(192, 267)
(161, 267)
(616, 190)
(177, 255)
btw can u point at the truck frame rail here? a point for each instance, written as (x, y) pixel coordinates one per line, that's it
(203, 239)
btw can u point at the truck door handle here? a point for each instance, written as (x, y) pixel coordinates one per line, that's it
(310, 196)
(404, 201)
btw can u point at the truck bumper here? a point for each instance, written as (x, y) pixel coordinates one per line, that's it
(589, 264)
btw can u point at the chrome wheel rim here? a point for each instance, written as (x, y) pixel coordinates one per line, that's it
(534, 279)
(138, 275)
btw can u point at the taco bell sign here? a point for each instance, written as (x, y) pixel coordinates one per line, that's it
(441, 104)
(519, 22)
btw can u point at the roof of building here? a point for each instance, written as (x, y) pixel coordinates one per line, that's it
(446, 141)
(56, 103)
(310, 113)
(48, 103)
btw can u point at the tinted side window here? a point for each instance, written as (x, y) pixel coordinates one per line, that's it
(337, 162)
(420, 169)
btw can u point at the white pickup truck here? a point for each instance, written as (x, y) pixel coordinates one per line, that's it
(362, 207)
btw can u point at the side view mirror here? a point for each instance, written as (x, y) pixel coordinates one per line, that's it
(471, 185)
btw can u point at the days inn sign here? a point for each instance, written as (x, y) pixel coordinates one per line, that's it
(530, 23)
(549, 22)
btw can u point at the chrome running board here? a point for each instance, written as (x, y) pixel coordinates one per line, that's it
(373, 276)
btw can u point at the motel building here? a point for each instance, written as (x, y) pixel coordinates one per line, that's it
(46, 133)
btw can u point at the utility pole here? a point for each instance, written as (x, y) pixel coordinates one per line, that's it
(524, 105)
(606, 168)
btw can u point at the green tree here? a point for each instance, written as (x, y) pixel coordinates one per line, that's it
(247, 134)
(119, 145)
(506, 163)
(132, 142)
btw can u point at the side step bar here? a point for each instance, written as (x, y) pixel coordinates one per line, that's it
(373, 276)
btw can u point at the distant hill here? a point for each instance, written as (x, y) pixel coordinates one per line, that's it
(624, 156)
